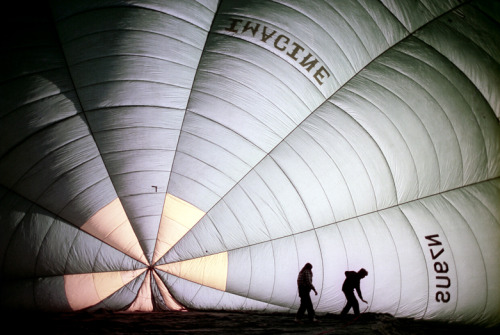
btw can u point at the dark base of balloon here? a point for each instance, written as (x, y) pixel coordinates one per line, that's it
(216, 322)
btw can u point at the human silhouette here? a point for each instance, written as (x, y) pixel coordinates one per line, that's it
(304, 283)
(351, 283)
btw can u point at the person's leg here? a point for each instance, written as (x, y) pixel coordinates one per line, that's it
(303, 306)
(301, 311)
(349, 296)
(355, 305)
(346, 308)
(309, 307)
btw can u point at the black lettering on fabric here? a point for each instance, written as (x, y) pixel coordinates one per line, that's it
(282, 43)
(232, 27)
(253, 29)
(266, 36)
(440, 269)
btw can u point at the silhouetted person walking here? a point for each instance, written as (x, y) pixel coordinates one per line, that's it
(304, 283)
(351, 283)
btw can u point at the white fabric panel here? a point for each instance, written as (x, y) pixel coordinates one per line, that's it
(135, 139)
(46, 111)
(202, 240)
(268, 272)
(57, 162)
(246, 272)
(249, 70)
(414, 288)
(308, 251)
(334, 259)
(442, 94)
(441, 116)
(186, 188)
(205, 176)
(469, 105)
(254, 185)
(331, 145)
(144, 94)
(465, 255)
(469, 40)
(484, 236)
(301, 175)
(280, 108)
(136, 117)
(428, 226)
(247, 215)
(241, 56)
(148, 181)
(94, 71)
(265, 17)
(360, 28)
(286, 262)
(130, 62)
(220, 158)
(408, 126)
(358, 253)
(54, 164)
(197, 14)
(152, 160)
(29, 153)
(394, 147)
(233, 151)
(231, 231)
(357, 177)
(283, 199)
(230, 158)
(196, 296)
(413, 14)
(263, 263)
(239, 272)
(90, 190)
(343, 41)
(211, 132)
(386, 268)
(487, 195)
(422, 117)
(145, 207)
(346, 134)
(242, 122)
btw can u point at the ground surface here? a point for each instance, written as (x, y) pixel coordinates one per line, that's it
(237, 323)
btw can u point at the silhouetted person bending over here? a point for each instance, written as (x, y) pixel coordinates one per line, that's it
(351, 283)
(304, 283)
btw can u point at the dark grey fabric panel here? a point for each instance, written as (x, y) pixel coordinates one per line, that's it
(50, 295)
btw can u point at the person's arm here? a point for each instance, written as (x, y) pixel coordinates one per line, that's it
(360, 295)
(309, 278)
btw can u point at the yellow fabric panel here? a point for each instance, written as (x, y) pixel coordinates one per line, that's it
(107, 283)
(177, 218)
(112, 226)
(208, 271)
